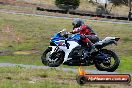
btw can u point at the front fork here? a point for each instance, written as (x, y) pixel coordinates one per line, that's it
(53, 50)
(56, 49)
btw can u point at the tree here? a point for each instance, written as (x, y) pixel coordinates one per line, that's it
(101, 10)
(67, 4)
(117, 2)
(130, 8)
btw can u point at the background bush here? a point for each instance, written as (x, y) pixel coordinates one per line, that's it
(67, 4)
(101, 10)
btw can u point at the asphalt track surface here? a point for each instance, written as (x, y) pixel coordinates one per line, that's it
(58, 68)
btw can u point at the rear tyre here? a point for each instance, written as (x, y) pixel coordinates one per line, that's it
(107, 66)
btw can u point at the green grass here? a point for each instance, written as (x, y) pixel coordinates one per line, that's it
(18, 77)
(35, 33)
(22, 59)
(11, 7)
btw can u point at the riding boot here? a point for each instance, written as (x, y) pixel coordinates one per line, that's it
(86, 54)
(91, 47)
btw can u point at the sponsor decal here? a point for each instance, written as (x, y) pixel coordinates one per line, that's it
(83, 78)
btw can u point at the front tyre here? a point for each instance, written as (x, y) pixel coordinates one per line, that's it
(111, 64)
(52, 60)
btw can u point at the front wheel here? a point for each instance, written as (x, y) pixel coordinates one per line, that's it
(111, 64)
(52, 60)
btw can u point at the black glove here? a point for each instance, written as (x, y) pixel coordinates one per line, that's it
(72, 32)
(83, 37)
(65, 35)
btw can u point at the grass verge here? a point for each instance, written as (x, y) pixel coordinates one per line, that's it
(18, 77)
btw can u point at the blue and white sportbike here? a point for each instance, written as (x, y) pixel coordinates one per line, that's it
(66, 50)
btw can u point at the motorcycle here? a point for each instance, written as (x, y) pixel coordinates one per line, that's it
(66, 50)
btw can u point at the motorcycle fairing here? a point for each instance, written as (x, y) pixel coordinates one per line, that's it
(72, 45)
(105, 42)
(75, 37)
(60, 43)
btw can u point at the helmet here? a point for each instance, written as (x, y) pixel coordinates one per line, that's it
(77, 22)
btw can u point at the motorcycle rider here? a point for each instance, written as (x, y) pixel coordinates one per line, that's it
(87, 35)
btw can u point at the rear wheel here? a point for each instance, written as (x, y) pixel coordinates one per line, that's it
(111, 64)
(53, 60)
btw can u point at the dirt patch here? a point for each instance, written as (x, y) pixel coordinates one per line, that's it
(7, 28)
(1, 44)
(5, 52)
(26, 52)
(24, 4)
(57, 80)
(70, 81)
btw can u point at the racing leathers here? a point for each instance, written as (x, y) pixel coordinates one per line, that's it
(87, 38)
